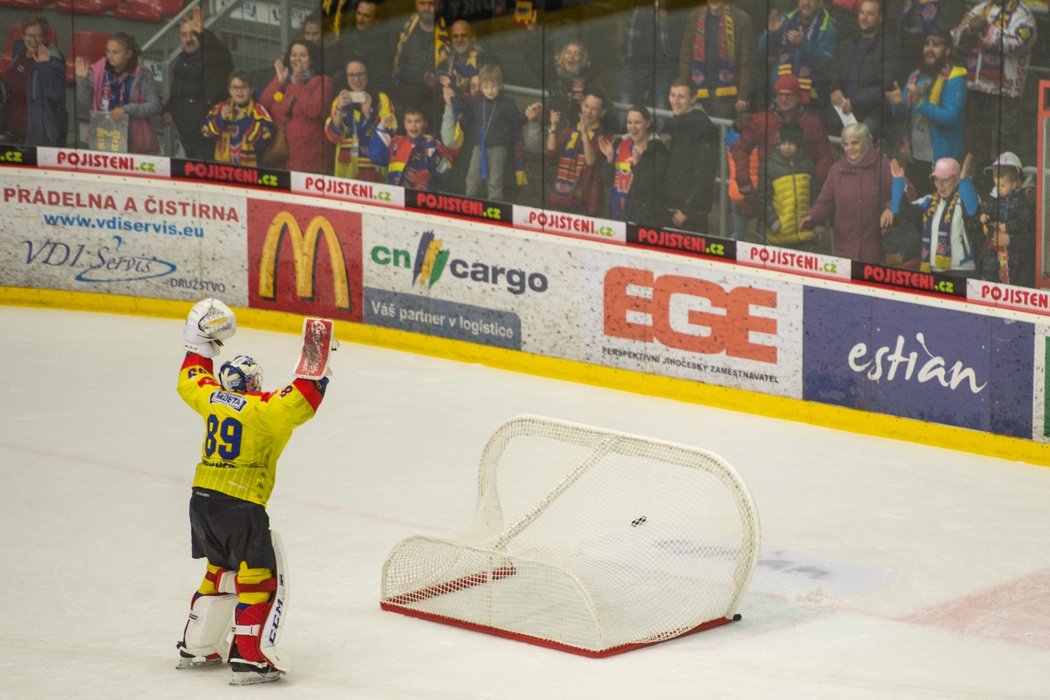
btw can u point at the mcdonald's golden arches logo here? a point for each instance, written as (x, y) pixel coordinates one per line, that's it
(275, 227)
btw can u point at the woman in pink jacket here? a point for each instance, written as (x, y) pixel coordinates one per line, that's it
(118, 83)
(298, 98)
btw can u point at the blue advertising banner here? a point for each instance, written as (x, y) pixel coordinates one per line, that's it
(903, 359)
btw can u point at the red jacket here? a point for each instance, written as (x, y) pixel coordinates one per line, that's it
(761, 133)
(308, 149)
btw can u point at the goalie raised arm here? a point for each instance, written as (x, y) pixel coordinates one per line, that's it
(208, 324)
(246, 429)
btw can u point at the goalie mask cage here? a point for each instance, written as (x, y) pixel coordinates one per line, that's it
(586, 540)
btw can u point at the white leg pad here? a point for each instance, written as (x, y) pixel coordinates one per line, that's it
(211, 619)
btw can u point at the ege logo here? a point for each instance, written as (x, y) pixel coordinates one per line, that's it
(673, 319)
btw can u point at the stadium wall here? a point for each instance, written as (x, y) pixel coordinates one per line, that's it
(804, 337)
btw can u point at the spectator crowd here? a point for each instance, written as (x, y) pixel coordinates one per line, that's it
(927, 96)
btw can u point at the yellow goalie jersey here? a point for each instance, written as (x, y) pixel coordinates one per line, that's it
(244, 433)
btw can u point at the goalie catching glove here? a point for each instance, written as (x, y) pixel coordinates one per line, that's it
(208, 324)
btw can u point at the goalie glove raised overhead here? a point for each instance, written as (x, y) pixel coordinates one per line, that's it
(208, 324)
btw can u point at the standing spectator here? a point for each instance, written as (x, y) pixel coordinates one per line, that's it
(413, 160)
(199, 75)
(35, 83)
(453, 136)
(801, 43)
(496, 123)
(917, 20)
(312, 30)
(761, 134)
(692, 159)
(240, 126)
(355, 113)
(1008, 254)
(465, 59)
(718, 56)
(119, 84)
(422, 46)
(931, 107)
(856, 198)
(742, 204)
(996, 38)
(577, 185)
(572, 78)
(639, 162)
(948, 218)
(365, 37)
(650, 54)
(865, 68)
(298, 99)
(788, 174)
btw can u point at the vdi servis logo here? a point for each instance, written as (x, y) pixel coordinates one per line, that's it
(431, 259)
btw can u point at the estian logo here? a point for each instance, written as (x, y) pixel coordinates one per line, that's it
(304, 250)
(432, 259)
(883, 364)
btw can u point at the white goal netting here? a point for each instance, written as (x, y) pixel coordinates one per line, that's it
(586, 539)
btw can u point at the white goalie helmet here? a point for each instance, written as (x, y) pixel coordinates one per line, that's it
(241, 374)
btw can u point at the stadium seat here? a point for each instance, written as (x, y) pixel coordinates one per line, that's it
(90, 45)
(25, 4)
(15, 34)
(86, 7)
(148, 10)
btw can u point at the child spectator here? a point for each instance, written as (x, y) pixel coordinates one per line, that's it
(412, 160)
(496, 125)
(788, 174)
(639, 162)
(577, 185)
(118, 83)
(1008, 255)
(741, 204)
(354, 115)
(241, 126)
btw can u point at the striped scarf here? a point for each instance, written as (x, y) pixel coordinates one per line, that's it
(724, 81)
(942, 256)
(442, 42)
(623, 176)
(804, 65)
(571, 162)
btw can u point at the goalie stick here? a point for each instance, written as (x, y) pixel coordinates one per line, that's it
(318, 344)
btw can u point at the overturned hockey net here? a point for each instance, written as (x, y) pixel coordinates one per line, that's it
(586, 540)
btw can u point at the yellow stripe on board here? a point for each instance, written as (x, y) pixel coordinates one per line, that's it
(796, 410)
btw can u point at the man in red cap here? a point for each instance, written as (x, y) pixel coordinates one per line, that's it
(761, 133)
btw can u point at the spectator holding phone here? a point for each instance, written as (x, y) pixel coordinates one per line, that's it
(355, 114)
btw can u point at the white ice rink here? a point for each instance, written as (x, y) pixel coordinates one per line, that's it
(888, 570)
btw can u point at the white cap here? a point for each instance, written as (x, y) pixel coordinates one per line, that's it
(1006, 159)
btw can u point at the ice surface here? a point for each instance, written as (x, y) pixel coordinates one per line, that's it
(901, 571)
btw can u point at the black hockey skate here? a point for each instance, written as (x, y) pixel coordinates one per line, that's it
(251, 672)
(189, 661)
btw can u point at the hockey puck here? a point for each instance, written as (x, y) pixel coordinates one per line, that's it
(638, 521)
